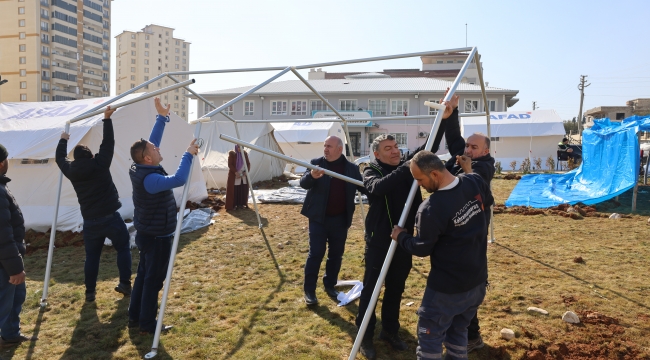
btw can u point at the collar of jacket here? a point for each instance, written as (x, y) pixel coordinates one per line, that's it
(4, 179)
(388, 168)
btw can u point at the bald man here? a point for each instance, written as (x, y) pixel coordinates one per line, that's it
(329, 205)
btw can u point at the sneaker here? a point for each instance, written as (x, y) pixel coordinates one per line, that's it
(90, 296)
(331, 292)
(17, 340)
(123, 288)
(473, 344)
(393, 340)
(310, 298)
(367, 348)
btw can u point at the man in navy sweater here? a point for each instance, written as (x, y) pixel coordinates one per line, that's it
(154, 218)
(451, 229)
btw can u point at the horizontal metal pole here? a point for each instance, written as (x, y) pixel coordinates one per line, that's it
(223, 71)
(289, 159)
(336, 119)
(128, 102)
(388, 57)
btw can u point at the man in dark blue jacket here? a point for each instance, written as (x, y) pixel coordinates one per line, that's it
(154, 218)
(451, 229)
(329, 205)
(99, 201)
(12, 251)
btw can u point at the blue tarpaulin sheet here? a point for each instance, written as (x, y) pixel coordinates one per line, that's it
(610, 166)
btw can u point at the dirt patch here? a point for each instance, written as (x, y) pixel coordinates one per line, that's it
(214, 201)
(275, 183)
(512, 177)
(597, 349)
(569, 300)
(578, 260)
(39, 240)
(576, 212)
(593, 317)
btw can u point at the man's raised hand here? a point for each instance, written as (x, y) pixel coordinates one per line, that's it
(449, 105)
(193, 148)
(163, 111)
(65, 136)
(108, 112)
(317, 174)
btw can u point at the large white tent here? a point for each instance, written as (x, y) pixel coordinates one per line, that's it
(304, 140)
(31, 132)
(519, 135)
(214, 161)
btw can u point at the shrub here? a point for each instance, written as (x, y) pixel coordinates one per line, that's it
(538, 164)
(550, 163)
(513, 165)
(497, 167)
(525, 166)
(571, 164)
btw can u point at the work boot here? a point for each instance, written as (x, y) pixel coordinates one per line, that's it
(90, 296)
(331, 292)
(367, 348)
(473, 344)
(393, 340)
(124, 289)
(310, 298)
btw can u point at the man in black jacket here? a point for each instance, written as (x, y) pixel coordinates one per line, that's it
(12, 251)
(451, 229)
(99, 201)
(329, 205)
(388, 181)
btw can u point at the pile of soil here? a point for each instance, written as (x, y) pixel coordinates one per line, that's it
(214, 201)
(576, 212)
(275, 183)
(39, 240)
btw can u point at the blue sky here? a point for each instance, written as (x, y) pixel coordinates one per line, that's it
(537, 47)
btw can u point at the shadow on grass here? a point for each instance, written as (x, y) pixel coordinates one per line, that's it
(248, 216)
(143, 344)
(246, 329)
(573, 276)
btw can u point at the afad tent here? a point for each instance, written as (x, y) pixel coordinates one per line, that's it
(519, 135)
(304, 140)
(214, 161)
(31, 132)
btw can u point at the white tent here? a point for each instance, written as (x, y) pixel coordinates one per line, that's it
(519, 135)
(31, 132)
(304, 140)
(214, 161)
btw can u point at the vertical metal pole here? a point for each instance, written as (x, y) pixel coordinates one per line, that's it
(50, 250)
(645, 173)
(634, 193)
(172, 257)
(477, 58)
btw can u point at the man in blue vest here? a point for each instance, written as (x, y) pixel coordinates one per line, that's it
(154, 218)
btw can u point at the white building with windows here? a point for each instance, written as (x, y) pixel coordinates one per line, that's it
(364, 99)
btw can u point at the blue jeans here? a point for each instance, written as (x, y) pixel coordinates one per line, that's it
(152, 270)
(95, 231)
(12, 298)
(444, 319)
(333, 232)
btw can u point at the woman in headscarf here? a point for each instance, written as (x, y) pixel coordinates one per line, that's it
(237, 189)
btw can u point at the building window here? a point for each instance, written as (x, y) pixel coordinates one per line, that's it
(132, 36)
(21, 10)
(228, 111)
(620, 116)
(471, 106)
(176, 58)
(178, 50)
(21, 23)
(492, 105)
(146, 37)
(146, 78)
(23, 84)
(132, 44)
(206, 108)
(377, 106)
(433, 111)
(372, 137)
(146, 45)
(278, 107)
(132, 86)
(132, 61)
(494, 139)
(440, 62)
(450, 61)
(401, 139)
(132, 69)
(23, 72)
(132, 77)
(399, 107)
(177, 43)
(21, 35)
(146, 61)
(22, 48)
(249, 108)
(298, 107)
(317, 105)
(45, 97)
(176, 106)
(23, 97)
(347, 105)
(132, 53)
(23, 60)
(176, 66)
(146, 53)
(184, 53)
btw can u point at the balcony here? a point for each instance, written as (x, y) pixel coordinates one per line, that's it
(92, 87)
(45, 28)
(92, 76)
(105, 57)
(105, 46)
(107, 4)
(45, 90)
(45, 3)
(105, 36)
(105, 68)
(45, 66)
(45, 16)
(106, 26)
(67, 55)
(45, 53)
(45, 41)
(68, 67)
(46, 78)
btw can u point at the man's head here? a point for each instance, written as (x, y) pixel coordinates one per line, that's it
(428, 170)
(565, 141)
(477, 145)
(4, 163)
(333, 148)
(82, 152)
(144, 152)
(386, 150)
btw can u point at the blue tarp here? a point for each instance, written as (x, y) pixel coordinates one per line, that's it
(610, 166)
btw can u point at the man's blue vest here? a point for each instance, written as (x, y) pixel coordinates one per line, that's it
(154, 214)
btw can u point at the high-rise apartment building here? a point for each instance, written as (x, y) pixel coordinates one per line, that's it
(54, 50)
(148, 53)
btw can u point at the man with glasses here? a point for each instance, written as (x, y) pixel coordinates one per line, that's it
(154, 218)
(99, 201)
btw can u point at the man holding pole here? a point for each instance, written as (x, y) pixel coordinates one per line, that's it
(329, 205)
(451, 229)
(154, 218)
(99, 201)
(388, 181)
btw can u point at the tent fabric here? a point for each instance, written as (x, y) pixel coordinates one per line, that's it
(214, 161)
(512, 124)
(31, 131)
(304, 140)
(610, 165)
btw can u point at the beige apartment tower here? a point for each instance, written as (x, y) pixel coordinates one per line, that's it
(54, 50)
(148, 53)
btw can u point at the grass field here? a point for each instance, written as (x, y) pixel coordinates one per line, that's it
(237, 294)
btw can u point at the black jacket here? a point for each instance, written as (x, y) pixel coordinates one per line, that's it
(484, 166)
(388, 188)
(12, 231)
(153, 214)
(91, 178)
(451, 229)
(318, 191)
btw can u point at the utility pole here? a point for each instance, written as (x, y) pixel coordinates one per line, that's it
(534, 105)
(581, 87)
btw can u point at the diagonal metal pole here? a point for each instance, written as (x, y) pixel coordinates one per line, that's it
(345, 126)
(405, 212)
(172, 256)
(477, 59)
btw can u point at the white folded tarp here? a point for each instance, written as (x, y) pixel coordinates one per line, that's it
(31, 132)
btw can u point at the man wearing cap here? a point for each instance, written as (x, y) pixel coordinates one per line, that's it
(99, 201)
(154, 218)
(12, 271)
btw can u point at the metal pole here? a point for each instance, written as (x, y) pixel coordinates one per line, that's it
(223, 71)
(134, 100)
(405, 212)
(645, 173)
(489, 132)
(206, 117)
(50, 250)
(172, 257)
(333, 119)
(289, 159)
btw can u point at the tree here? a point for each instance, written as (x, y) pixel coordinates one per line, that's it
(570, 126)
